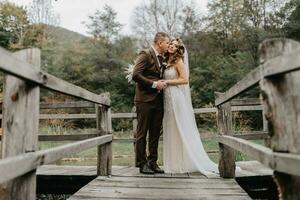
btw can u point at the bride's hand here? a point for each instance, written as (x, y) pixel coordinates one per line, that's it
(165, 83)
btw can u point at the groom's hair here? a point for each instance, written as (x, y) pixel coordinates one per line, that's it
(160, 36)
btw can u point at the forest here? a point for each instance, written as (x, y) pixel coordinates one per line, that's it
(222, 42)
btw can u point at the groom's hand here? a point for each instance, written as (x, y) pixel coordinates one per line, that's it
(161, 85)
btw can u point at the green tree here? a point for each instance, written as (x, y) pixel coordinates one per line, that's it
(13, 25)
(103, 25)
(292, 26)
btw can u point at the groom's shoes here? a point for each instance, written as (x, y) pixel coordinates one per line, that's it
(156, 169)
(145, 169)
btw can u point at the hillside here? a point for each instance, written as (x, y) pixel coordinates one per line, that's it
(63, 35)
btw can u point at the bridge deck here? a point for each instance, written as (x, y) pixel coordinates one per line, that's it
(249, 168)
(128, 183)
(168, 187)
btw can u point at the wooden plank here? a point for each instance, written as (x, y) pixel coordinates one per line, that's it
(121, 171)
(281, 57)
(13, 65)
(252, 135)
(60, 105)
(67, 116)
(160, 188)
(250, 80)
(164, 183)
(252, 168)
(64, 87)
(24, 70)
(246, 102)
(56, 153)
(52, 170)
(247, 108)
(70, 137)
(276, 63)
(151, 193)
(274, 160)
(20, 125)
(249, 168)
(247, 135)
(204, 110)
(226, 154)
(16, 166)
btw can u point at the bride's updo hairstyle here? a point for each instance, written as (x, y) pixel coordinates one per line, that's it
(178, 53)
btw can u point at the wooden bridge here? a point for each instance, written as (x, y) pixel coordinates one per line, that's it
(277, 77)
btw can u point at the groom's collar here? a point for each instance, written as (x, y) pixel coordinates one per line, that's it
(155, 51)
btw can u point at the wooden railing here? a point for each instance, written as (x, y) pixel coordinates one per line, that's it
(278, 78)
(237, 106)
(20, 124)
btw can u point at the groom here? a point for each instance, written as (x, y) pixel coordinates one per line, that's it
(147, 73)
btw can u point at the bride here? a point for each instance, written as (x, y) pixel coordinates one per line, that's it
(182, 147)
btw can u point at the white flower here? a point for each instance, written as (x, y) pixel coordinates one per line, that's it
(129, 72)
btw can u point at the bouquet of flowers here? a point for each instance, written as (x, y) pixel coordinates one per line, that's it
(129, 72)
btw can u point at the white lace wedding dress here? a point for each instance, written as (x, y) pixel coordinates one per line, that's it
(182, 147)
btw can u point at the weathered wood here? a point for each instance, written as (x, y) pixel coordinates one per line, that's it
(246, 102)
(256, 151)
(24, 70)
(20, 125)
(246, 83)
(226, 154)
(160, 188)
(53, 83)
(67, 116)
(16, 166)
(247, 135)
(246, 108)
(252, 135)
(252, 168)
(72, 104)
(103, 122)
(275, 160)
(267, 140)
(281, 99)
(70, 137)
(204, 110)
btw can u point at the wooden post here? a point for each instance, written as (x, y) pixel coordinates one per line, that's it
(265, 128)
(104, 126)
(281, 99)
(20, 126)
(226, 154)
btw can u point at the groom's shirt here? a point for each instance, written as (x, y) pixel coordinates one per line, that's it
(159, 58)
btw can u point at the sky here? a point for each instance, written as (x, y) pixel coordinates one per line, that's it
(74, 12)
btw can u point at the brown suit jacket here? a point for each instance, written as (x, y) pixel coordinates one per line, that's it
(145, 72)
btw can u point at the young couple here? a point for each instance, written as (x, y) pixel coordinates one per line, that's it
(163, 100)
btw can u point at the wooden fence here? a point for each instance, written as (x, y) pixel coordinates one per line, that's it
(20, 123)
(237, 106)
(278, 77)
